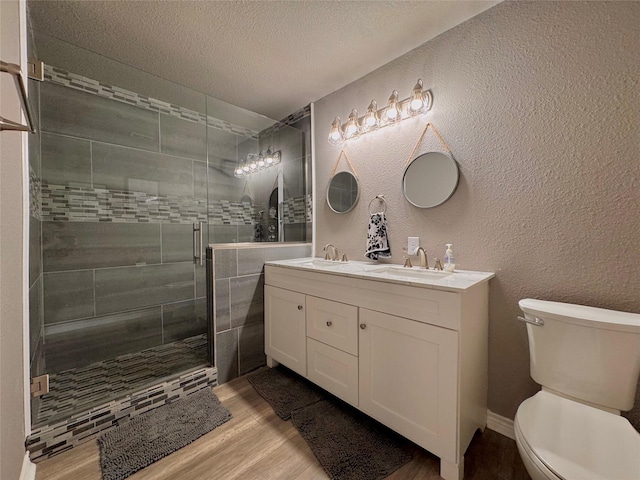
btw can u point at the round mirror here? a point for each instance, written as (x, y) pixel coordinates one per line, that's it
(343, 192)
(430, 179)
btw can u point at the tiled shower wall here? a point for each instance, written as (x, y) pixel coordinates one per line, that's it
(122, 178)
(120, 187)
(239, 309)
(297, 183)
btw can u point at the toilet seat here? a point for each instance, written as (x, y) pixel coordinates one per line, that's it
(575, 441)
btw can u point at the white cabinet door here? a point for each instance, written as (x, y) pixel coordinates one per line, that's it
(285, 328)
(408, 379)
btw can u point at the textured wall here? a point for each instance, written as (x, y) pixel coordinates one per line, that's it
(539, 104)
(12, 288)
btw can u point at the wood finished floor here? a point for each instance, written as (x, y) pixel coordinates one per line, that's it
(257, 444)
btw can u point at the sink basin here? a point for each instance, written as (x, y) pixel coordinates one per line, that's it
(318, 262)
(331, 265)
(417, 273)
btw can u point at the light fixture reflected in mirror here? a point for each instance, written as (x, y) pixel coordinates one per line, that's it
(370, 121)
(254, 162)
(395, 111)
(336, 137)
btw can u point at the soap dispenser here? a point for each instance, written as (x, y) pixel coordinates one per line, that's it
(449, 263)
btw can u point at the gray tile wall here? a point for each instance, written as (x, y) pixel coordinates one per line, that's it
(111, 237)
(84, 115)
(119, 182)
(239, 305)
(83, 342)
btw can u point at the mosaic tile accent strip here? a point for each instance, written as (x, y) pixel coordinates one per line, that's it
(35, 195)
(88, 85)
(297, 209)
(86, 204)
(54, 439)
(231, 213)
(62, 203)
(297, 116)
(309, 209)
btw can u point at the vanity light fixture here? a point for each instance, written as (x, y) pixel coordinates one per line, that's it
(257, 162)
(370, 121)
(352, 129)
(396, 110)
(336, 136)
(393, 114)
(416, 101)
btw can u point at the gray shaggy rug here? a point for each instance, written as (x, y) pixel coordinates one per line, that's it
(348, 444)
(285, 390)
(147, 438)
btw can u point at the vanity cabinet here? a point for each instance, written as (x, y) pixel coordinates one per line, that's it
(412, 357)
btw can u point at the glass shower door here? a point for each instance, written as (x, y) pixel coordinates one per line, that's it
(119, 178)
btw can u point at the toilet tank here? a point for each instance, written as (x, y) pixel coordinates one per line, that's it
(588, 353)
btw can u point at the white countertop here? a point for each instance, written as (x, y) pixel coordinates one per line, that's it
(460, 280)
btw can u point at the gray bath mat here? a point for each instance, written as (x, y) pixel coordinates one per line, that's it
(348, 444)
(285, 391)
(147, 438)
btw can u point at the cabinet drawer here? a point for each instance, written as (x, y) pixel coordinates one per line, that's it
(333, 370)
(333, 323)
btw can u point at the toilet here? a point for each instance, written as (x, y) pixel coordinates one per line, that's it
(587, 361)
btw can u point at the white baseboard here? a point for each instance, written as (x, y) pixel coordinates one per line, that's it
(500, 424)
(28, 469)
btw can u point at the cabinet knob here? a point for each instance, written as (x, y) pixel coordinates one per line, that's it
(363, 326)
(299, 307)
(329, 323)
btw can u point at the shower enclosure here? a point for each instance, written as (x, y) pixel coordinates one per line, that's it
(124, 169)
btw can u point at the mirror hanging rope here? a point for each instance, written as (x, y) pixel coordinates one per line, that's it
(246, 190)
(438, 136)
(343, 190)
(430, 178)
(335, 167)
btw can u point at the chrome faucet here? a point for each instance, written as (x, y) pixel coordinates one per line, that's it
(335, 252)
(423, 257)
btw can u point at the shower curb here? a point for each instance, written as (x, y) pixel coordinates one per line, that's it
(50, 440)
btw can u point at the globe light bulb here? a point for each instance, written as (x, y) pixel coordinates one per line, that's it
(416, 101)
(371, 119)
(392, 113)
(336, 137)
(351, 128)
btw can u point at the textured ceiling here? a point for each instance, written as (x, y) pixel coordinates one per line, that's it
(270, 57)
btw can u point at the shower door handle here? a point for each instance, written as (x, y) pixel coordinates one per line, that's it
(198, 257)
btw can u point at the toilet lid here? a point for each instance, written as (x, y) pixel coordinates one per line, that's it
(577, 441)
